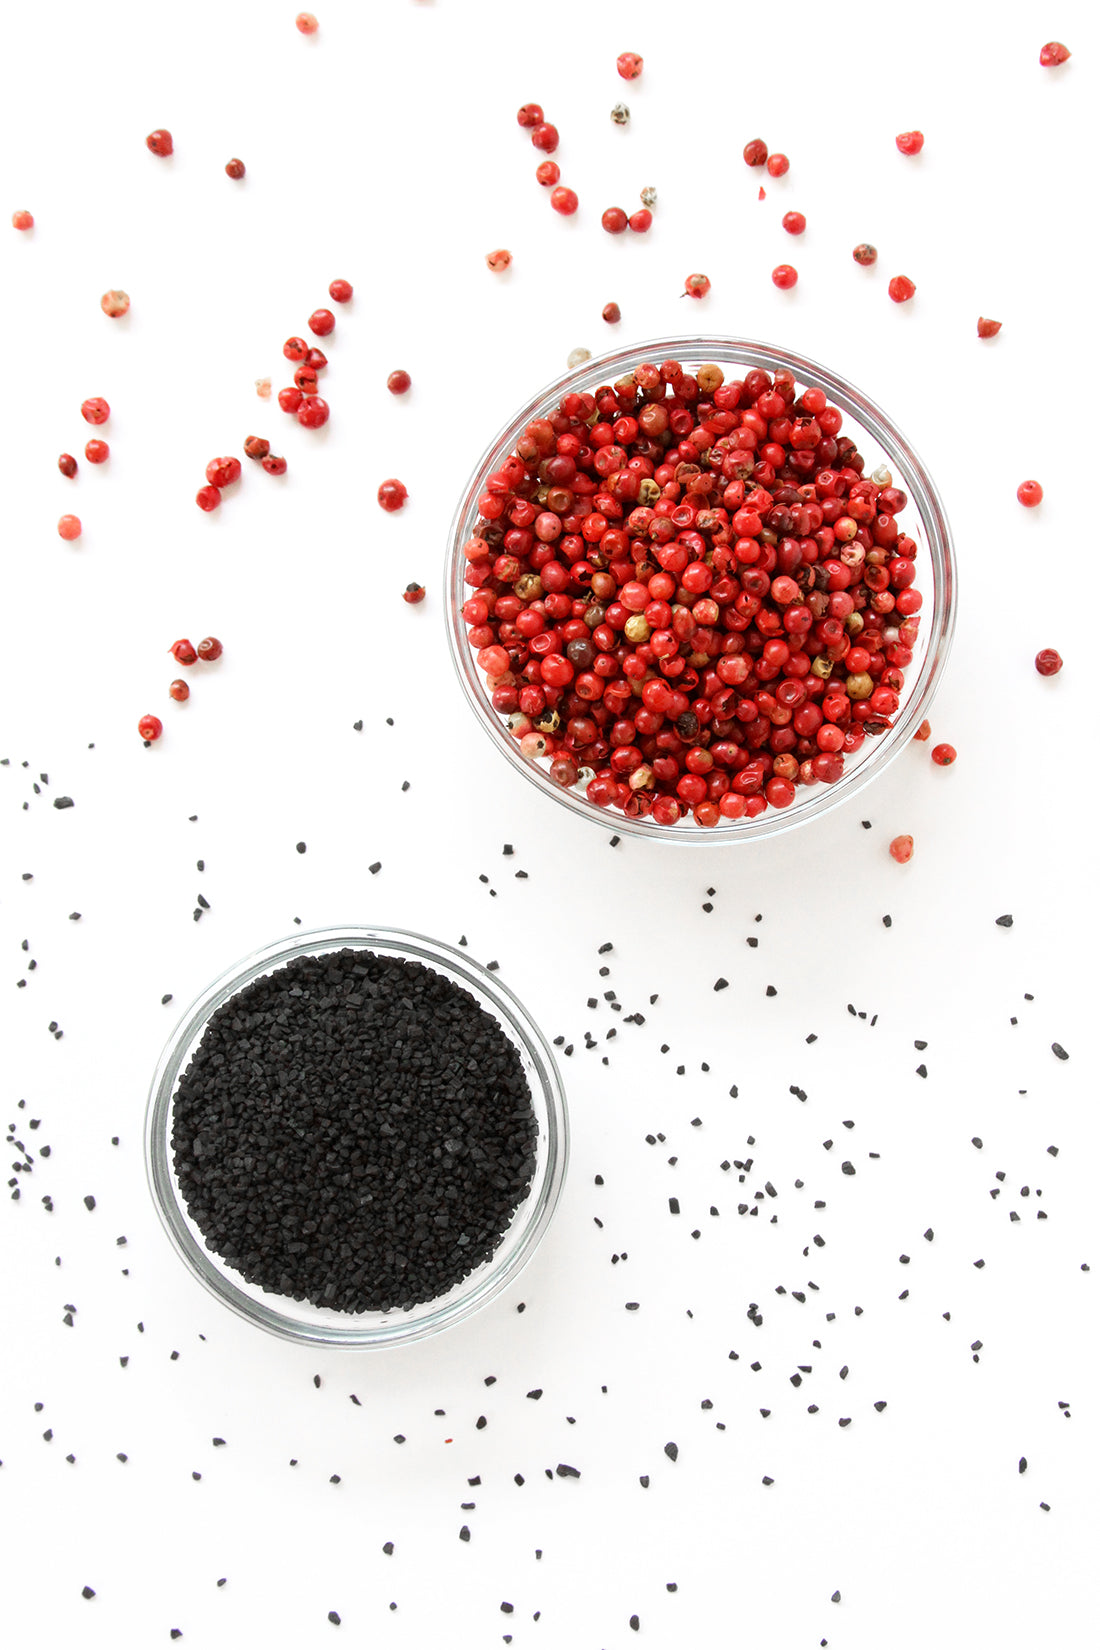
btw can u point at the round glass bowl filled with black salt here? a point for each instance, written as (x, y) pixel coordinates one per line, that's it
(656, 575)
(356, 1137)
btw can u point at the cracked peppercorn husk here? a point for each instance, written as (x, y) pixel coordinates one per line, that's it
(620, 114)
(354, 1130)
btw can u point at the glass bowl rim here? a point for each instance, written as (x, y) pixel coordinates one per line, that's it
(532, 1217)
(924, 496)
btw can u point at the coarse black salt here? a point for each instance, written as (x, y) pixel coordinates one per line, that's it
(1057, 1049)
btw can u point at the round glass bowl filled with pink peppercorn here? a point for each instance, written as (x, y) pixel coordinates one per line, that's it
(700, 588)
(292, 1315)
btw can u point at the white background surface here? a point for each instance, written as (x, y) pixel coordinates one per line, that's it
(386, 150)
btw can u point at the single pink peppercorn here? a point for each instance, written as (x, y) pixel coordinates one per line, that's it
(208, 498)
(321, 322)
(96, 452)
(234, 169)
(69, 528)
(210, 649)
(564, 201)
(150, 728)
(548, 173)
(95, 410)
(115, 303)
(223, 472)
(1054, 53)
(530, 114)
(901, 289)
(413, 594)
(778, 165)
(256, 446)
(910, 143)
(67, 465)
(1048, 661)
(1029, 494)
(785, 276)
(988, 329)
(865, 254)
(295, 349)
(697, 286)
(313, 412)
(316, 359)
(179, 690)
(183, 652)
(340, 291)
(159, 142)
(22, 220)
(629, 65)
(273, 465)
(305, 379)
(545, 137)
(611, 313)
(498, 261)
(290, 398)
(794, 223)
(755, 152)
(399, 382)
(392, 495)
(901, 849)
(641, 221)
(614, 220)
(306, 23)
(944, 755)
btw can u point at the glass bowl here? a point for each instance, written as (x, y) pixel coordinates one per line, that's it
(924, 519)
(299, 1320)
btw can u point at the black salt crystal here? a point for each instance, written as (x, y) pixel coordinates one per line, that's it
(1056, 1048)
(63, 802)
(672, 1451)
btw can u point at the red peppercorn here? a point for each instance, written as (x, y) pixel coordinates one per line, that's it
(69, 527)
(234, 169)
(1029, 494)
(305, 379)
(564, 201)
(794, 223)
(22, 220)
(988, 329)
(67, 465)
(1054, 53)
(629, 65)
(223, 472)
(755, 152)
(901, 289)
(910, 143)
(498, 261)
(290, 398)
(96, 452)
(321, 322)
(179, 690)
(413, 594)
(150, 727)
(944, 755)
(548, 172)
(545, 137)
(697, 286)
(901, 849)
(399, 382)
(160, 142)
(313, 412)
(295, 349)
(614, 220)
(924, 731)
(340, 292)
(865, 254)
(641, 221)
(611, 313)
(392, 495)
(785, 276)
(1048, 662)
(778, 165)
(274, 466)
(530, 114)
(317, 359)
(182, 652)
(115, 303)
(210, 649)
(95, 410)
(306, 23)
(208, 498)
(255, 446)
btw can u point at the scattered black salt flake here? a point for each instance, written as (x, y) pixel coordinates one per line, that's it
(74, 916)
(720, 983)
(563, 1470)
(847, 1168)
(766, 1480)
(644, 1480)
(464, 1533)
(1023, 1463)
(63, 802)
(674, 1205)
(205, 903)
(167, 998)
(375, 868)
(218, 1443)
(89, 1202)
(87, 1592)
(1053, 1150)
(635, 1623)
(221, 1581)
(672, 1451)
(490, 1380)
(176, 1633)
(387, 1548)
(481, 1423)
(301, 847)
(979, 1264)
(929, 1235)
(1045, 1505)
(1056, 1048)
(632, 1306)
(845, 1421)
(357, 727)
(332, 1615)
(835, 1597)
(316, 1380)
(887, 922)
(976, 1141)
(535, 1393)
(614, 843)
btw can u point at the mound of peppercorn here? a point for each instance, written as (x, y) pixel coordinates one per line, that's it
(354, 1130)
(686, 595)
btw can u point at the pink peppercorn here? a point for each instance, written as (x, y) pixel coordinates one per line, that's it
(67, 465)
(392, 495)
(234, 169)
(313, 412)
(1048, 661)
(865, 254)
(95, 410)
(564, 201)
(340, 291)
(22, 220)
(901, 289)
(910, 143)
(545, 137)
(321, 322)
(114, 303)
(69, 527)
(295, 349)
(208, 498)
(988, 329)
(697, 286)
(614, 220)
(755, 152)
(96, 452)
(901, 849)
(548, 172)
(290, 398)
(778, 165)
(273, 465)
(498, 261)
(150, 727)
(794, 223)
(1054, 53)
(223, 472)
(306, 23)
(1029, 494)
(530, 115)
(611, 313)
(785, 276)
(399, 382)
(641, 221)
(159, 142)
(944, 755)
(629, 65)
(413, 594)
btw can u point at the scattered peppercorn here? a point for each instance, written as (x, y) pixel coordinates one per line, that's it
(988, 329)
(159, 142)
(95, 410)
(179, 690)
(611, 314)
(629, 65)
(1054, 53)
(340, 291)
(209, 649)
(67, 465)
(399, 382)
(530, 115)
(901, 849)
(794, 223)
(1048, 662)
(697, 286)
(150, 727)
(413, 593)
(498, 261)
(234, 169)
(22, 220)
(114, 303)
(910, 143)
(1029, 493)
(564, 201)
(392, 495)
(755, 152)
(545, 137)
(273, 465)
(865, 254)
(69, 528)
(182, 652)
(96, 452)
(901, 289)
(321, 322)
(208, 498)
(785, 276)
(548, 172)
(944, 755)
(614, 220)
(778, 165)
(306, 23)
(256, 447)
(223, 472)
